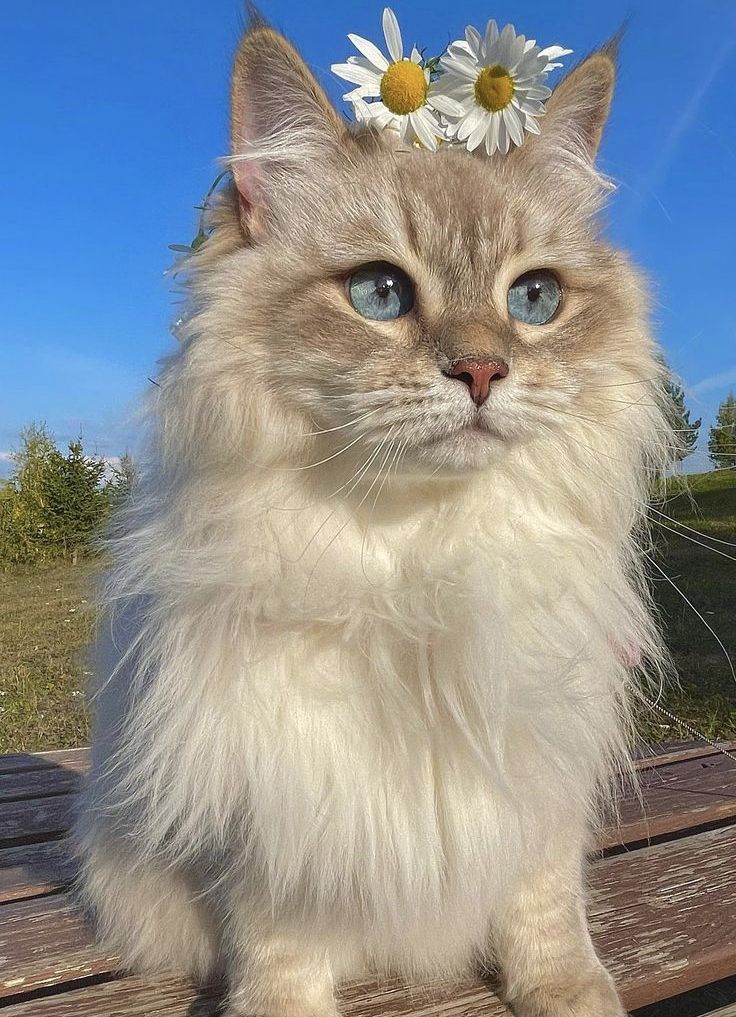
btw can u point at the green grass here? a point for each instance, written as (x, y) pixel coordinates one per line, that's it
(706, 696)
(45, 621)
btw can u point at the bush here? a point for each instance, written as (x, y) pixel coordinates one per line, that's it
(54, 504)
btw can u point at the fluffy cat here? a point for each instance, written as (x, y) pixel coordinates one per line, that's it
(365, 679)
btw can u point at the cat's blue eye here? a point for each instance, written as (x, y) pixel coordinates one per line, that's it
(381, 291)
(535, 297)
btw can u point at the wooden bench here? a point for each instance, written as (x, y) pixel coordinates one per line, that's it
(662, 905)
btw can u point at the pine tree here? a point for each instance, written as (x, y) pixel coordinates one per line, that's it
(28, 532)
(123, 480)
(687, 430)
(77, 501)
(722, 438)
(53, 505)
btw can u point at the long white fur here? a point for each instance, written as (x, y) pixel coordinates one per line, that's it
(354, 720)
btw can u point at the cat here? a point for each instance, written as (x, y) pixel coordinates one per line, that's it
(365, 676)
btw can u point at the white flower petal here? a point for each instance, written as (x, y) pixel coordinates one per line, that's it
(456, 88)
(392, 34)
(531, 125)
(479, 133)
(370, 51)
(517, 51)
(491, 37)
(416, 56)
(469, 124)
(356, 74)
(460, 66)
(503, 136)
(513, 125)
(553, 52)
(492, 135)
(445, 104)
(425, 128)
(532, 106)
(534, 91)
(473, 41)
(460, 48)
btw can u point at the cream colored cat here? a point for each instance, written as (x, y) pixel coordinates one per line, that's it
(362, 683)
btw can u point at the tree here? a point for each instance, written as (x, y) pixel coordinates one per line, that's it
(687, 430)
(53, 504)
(722, 438)
(77, 502)
(123, 480)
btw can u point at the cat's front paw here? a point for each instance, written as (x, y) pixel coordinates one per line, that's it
(294, 1008)
(291, 1004)
(586, 995)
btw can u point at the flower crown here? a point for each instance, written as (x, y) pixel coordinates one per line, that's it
(484, 89)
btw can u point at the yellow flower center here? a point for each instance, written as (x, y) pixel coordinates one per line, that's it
(404, 87)
(494, 88)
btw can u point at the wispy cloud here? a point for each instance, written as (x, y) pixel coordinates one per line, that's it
(715, 381)
(682, 125)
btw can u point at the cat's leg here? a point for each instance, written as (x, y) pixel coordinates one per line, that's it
(275, 971)
(153, 917)
(541, 942)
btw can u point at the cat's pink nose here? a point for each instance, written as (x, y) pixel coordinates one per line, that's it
(478, 373)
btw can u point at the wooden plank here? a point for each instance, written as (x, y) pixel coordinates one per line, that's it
(663, 755)
(678, 796)
(664, 917)
(38, 784)
(66, 759)
(724, 1011)
(664, 920)
(33, 869)
(44, 942)
(675, 797)
(168, 997)
(35, 819)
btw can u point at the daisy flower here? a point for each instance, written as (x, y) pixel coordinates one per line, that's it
(403, 97)
(498, 80)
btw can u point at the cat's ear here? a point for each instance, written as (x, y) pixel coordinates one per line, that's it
(283, 128)
(578, 108)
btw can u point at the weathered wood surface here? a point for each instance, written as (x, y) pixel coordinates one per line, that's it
(36, 803)
(35, 819)
(677, 796)
(30, 870)
(663, 918)
(662, 755)
(65, 759)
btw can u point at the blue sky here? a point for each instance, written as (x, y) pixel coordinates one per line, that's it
(117, 113)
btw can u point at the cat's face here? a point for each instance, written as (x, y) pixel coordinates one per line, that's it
(434, 309)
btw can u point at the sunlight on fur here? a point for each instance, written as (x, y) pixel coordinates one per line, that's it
(370, 649)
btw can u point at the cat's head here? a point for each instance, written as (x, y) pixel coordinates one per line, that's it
(437, 311)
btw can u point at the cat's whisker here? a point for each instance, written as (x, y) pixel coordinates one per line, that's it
(342, 528)
(690, 604)
(707, 536)
(700, 543)
(349, 486)
(589, 420)
(671, 581)
(391, 449)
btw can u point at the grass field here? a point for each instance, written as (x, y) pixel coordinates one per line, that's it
(706, 697)
(45, 621)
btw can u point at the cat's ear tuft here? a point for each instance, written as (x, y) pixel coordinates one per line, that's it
(578, 108)
(282, 124)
